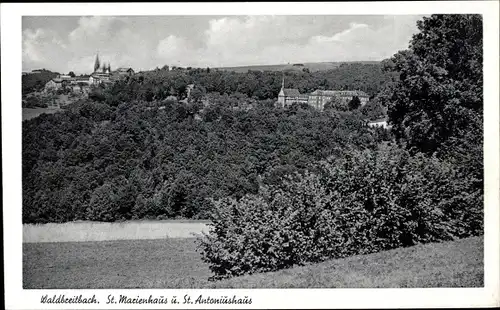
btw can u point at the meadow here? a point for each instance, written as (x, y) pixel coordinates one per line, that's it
(311, 66)
(175, 263)
(29, 113)
(101, 231)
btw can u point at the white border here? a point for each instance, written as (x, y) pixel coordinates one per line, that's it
(17, 298)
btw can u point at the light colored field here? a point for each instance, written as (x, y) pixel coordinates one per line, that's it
(32, 113)
(97, 231)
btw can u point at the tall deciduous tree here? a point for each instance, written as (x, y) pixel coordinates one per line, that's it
(354, 103)
(438, 96)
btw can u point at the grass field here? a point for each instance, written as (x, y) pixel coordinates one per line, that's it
(174, 263)
(312, 66)
(32, 113)
(100, 231)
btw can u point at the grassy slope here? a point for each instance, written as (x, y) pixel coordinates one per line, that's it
(312, 66)
(29, 113)
(113, 264)
(174, 263)
(448, 264)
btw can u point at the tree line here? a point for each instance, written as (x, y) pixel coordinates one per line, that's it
(95, 161)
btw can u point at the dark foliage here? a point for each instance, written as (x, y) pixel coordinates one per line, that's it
(33, 102)
(354, 103)
(429, 188)
(36, 81)
(98, 161)
(439, 94)
(357, 203)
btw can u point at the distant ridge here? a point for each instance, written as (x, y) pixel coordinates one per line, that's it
(312, 66)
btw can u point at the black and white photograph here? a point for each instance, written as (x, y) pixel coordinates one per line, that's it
(186, 152)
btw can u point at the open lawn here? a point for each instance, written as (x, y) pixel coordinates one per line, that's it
(101, 231)
(32, 113)
(174, 263)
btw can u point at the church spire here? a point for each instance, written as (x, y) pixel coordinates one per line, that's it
(97, 63)
(283, 81)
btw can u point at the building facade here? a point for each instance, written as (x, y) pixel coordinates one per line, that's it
(125, 71)
(382, 122)
(289, 96)
(319, 98)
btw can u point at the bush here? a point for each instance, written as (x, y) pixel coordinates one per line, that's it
(359, 203)
(33, 102)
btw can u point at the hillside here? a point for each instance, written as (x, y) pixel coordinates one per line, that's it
(36, 81)
(448, 264)
(312, 66)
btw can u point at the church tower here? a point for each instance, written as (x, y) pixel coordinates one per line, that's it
(281, 95)
(97, 63)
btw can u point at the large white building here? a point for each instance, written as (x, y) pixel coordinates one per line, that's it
(318, 98)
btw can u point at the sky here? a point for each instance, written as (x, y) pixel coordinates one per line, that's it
(70, 43)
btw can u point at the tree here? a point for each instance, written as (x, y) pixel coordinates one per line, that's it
(198, 93)
(438, 97)
(354, 103)
(373, 109)
(335, 104)
(72, 74)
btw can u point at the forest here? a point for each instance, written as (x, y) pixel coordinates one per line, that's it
(142, 161)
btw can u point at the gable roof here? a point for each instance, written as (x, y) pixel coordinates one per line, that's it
(124, 69)
(340, 93)
(378, 120)
(291, 92)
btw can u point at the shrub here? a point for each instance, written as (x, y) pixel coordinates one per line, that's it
(359, 203)
(33, 102)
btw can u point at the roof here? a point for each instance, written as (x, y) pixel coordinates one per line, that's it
(378, 120)
(291, 92)
(340, 93)
(124, 69)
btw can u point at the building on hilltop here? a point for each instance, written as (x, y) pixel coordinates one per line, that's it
(288, 96)
(125, 71)
(54, 84)
(319, 98)
(101, 72)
